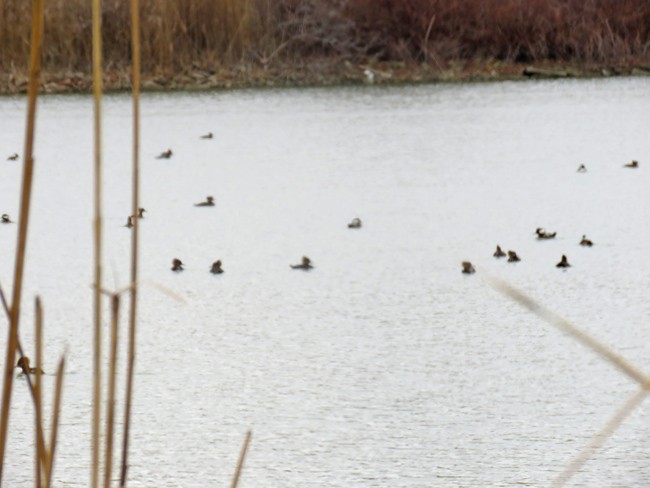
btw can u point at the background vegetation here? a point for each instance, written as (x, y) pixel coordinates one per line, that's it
(248, 38)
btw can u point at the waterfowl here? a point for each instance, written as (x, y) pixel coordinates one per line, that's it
(209, 202)
(467, 267)
(563, 263)
(499, 253)
(586, 242)
(542, 234)
(305, 264)
(13, 157)
(207, 136)
(355, 224)
(633, 164)
(216, 267)
(177, 265)
(23, 364)
(5, 219)
(582, 168)
(129, 221)
(141, 212)
(512, 257)
(165, 155)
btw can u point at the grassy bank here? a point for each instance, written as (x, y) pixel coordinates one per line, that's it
(208, 43)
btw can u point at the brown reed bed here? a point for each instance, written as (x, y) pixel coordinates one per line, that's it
(209, 43)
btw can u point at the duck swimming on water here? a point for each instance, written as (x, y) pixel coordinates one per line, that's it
(23, 364)
(177, 265)
(586, 242)
(542, 234)
(633, 164)
(499, 252)
(467, 268)
(564, 263)
(165, 154)
(13, 157)
(305, 264)
(207, 136)
(216, 267)
(141, 212)
(355, 224)
(512, 257)
(209, 202)
(129, 222)
(582, 168)
(5, 219)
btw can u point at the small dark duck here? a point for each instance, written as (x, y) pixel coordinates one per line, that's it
(23, 364)
(499, 252)
(216, 267)
(207, 136)
(586, 242)
(467, 268)
(633, 164)
(13, 157)
(129, 222)
(165, 155)
(177, 265)
(141, 212)
(209, 202)
(355, 224)
(512, 257)
(5, 219)
(542, 234)
(563, 263)
(305, 264)
(582, 168)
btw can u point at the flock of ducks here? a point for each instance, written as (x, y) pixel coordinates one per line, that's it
(468, 267)
(177, 265)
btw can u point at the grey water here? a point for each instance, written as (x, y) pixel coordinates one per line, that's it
(384, 366)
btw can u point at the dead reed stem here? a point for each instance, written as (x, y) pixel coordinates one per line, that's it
(30, 384)
(38, 403)
(97, 96)
(21, 248)
(55, 422)
(564, 325)
(240, 461)
(603, 351)
(613, 424)
(110, 408)
(135, 47)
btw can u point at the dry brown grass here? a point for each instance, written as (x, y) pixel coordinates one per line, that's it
(182, 35)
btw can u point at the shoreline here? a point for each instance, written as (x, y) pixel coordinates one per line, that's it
(317, 74)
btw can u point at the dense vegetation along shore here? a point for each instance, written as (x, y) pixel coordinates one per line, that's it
(239, 43)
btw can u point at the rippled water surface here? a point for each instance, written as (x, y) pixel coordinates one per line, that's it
(384, 366)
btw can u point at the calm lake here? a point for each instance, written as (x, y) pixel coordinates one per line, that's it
(384, 366)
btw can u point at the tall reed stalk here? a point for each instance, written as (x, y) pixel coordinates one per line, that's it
(110, 407)
(135, 48)
(21, 247)
(97, 96)
(38, 403)
(49, 465)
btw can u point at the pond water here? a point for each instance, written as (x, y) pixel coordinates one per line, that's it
(384, 366)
